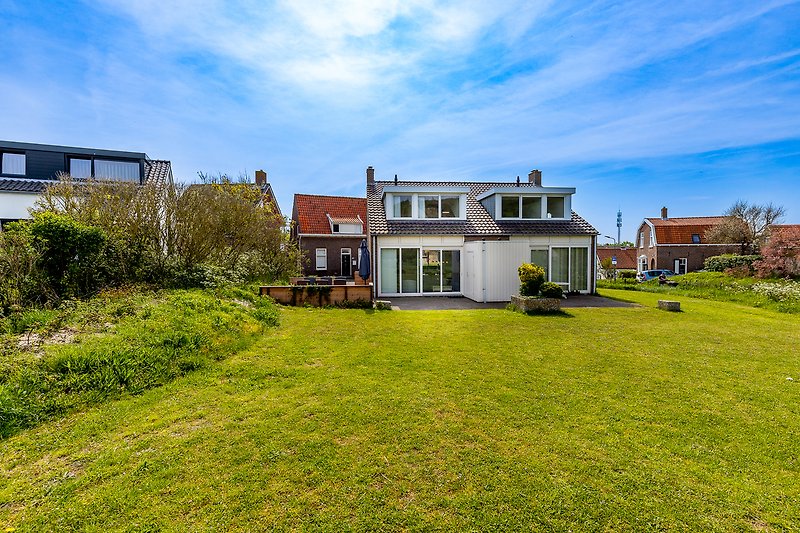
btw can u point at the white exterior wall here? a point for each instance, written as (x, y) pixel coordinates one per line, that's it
(489, 268)
(16, 204)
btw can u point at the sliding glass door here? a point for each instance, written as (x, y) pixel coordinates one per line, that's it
(568, 266)
(415, 271)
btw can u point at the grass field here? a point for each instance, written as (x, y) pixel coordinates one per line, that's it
(605, 419)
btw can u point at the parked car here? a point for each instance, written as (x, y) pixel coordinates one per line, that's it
(647, 275)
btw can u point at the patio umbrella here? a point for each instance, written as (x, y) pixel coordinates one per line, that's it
(363, 269)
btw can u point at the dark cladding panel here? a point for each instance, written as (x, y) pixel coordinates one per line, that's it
(44, 165)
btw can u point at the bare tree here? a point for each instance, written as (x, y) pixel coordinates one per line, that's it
(746, 224)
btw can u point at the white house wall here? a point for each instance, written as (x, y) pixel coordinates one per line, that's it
(489, 265)
(16, 204)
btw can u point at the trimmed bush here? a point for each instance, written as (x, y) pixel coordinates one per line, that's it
(552, 290)
(531, 278)
(626, 274)
(721, 263)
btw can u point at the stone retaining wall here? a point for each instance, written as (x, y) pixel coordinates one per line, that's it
(532, 304)
(317, 295)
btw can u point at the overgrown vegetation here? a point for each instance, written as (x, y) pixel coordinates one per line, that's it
(747, 225)
(89, 235)
(84, 352)
(776, 294)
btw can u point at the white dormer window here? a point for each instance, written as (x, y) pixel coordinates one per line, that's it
(346, 225)
(521, 207)
(555, 207)
(430, 203)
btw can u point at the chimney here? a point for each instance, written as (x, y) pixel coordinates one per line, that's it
(370, 176)
(535, 177)
(261, 178)
(664, 213)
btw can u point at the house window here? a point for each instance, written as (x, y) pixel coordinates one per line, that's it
(542, 258)
(429, 206)
(402, 206)
(555, 207)
(116, 170)
(415, 270)
(680, 265)
(570, 267)
(695, 238)
(641, 240)
(322, 259)
(450, 206)
(13, 164)
(531, 207)
(80, 168)
(509, 206)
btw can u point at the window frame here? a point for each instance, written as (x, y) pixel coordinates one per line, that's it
(392, 199)
(3, 171)
(520, 208)
(318, 256)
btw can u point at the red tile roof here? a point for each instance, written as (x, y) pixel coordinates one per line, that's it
(626, 257)
(311, 212)
(680, 230)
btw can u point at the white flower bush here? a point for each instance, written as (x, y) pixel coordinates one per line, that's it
(784, 291)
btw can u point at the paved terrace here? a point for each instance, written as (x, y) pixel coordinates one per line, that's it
(418, 303)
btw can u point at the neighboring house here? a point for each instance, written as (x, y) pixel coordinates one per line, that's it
(267, 194)
(625, 258)
(328, 231)
(469, 238)
(677, 244)
(27, 168)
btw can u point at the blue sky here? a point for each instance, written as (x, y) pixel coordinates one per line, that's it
(687, 104)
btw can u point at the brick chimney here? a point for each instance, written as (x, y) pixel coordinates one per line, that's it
(261, 178)
(664, 213)
(535, 177)
(370, 176)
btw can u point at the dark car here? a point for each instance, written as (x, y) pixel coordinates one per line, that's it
(647, 275)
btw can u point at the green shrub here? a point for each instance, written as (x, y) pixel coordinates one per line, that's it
(552, 290)
(69, 251)
(721, 263)
(531, 278)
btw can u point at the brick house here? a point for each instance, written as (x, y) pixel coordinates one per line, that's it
(329, 231)
(625, 256)
(677, 244)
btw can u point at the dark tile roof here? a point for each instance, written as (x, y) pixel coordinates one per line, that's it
(157, 172)
(310, 212)
(23, 185)
(478, 222)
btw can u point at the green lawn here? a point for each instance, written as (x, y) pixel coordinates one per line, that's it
(606, 419)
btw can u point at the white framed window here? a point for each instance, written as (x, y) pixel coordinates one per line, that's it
(555, 207)
(401, 206)
(425, 206)
(116, 170)
(641, 240)
(322, 258)
(567, 266)
(522, 207)
(13, 164)
(680, 265)
(80, 168)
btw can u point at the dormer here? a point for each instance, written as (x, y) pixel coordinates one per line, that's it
(528, 203)
(346, 225)
(419, 202)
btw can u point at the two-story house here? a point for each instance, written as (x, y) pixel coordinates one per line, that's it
(27, 168)
(469, 238)
(329, 230)
(677, 244)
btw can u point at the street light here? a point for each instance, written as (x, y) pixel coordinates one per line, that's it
(612, 238)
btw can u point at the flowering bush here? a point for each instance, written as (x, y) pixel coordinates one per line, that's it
(780, 292)
(781, 255)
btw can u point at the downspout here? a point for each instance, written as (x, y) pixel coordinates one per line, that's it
(483, 267)
(374, 259)
(594, 265)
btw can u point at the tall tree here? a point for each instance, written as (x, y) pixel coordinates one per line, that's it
(746, 224)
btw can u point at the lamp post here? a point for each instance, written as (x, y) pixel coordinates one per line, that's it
(616, 242)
